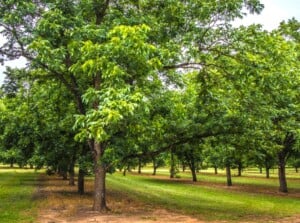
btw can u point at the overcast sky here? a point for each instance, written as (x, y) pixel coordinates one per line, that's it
(274, 12)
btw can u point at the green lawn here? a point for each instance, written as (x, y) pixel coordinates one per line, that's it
(16, 190)
(209, 203)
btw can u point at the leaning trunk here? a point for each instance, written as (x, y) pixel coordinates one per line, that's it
(228, 175)
(99, 184)
(281, 173)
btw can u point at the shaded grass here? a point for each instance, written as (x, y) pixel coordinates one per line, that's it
(16, 191)
(204, 202)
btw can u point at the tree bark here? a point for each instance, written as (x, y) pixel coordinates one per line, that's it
(228, 175)
(100, 176)
(72, 173)
(281, 173)
(172, 170)
(80, 186)
(216, 169)
(240, 168)
(140, 166)
(267, 172)
(193, 169)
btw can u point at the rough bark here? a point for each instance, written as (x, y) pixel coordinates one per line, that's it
(283, 155)
(228, 175)
(281, 173)
(100, 176)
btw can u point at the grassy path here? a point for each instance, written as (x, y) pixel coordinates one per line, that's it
(16, 196)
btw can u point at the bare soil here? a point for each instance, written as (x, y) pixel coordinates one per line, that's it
(60, 203)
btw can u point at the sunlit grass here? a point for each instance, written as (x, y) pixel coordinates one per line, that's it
(209, 203)
(16, 191)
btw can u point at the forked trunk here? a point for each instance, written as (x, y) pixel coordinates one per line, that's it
(228, 175)
(99, 183)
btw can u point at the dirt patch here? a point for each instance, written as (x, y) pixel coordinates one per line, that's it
(60, 203)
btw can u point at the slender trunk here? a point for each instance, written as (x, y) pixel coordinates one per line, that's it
(296, 168)
(240, 168)
(267, 172)
(183, 167)
(260, 170)
(281, 173)
(172, 170)
(72, 173)
(154, 167)
(216, 169)
(154, 170)
(228, 175)
(194, 174)
(140, 167)
(11, 164)
(193, 169)
(31, 166)
(124, 171)
(80, 185)
(100, 175)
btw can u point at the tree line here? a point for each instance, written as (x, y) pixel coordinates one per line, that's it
(116, 84)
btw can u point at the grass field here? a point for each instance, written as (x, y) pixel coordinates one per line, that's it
(253, 198)
(17, 187)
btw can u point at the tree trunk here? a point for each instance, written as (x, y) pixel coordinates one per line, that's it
(296, 168)
(267, 172)
(228, 175)
(172, 170)
(216, 169)
(140, 167)
(72, 173)
(11, 164)
(100, 175)
(240, 168)
(80, 185)
(281, 173)
(154, 170)
(193, 169)
(260, 170)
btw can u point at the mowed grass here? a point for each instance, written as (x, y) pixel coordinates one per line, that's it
(209, 202)
(17, 187)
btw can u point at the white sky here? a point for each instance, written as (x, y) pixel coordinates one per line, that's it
(274, 12)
